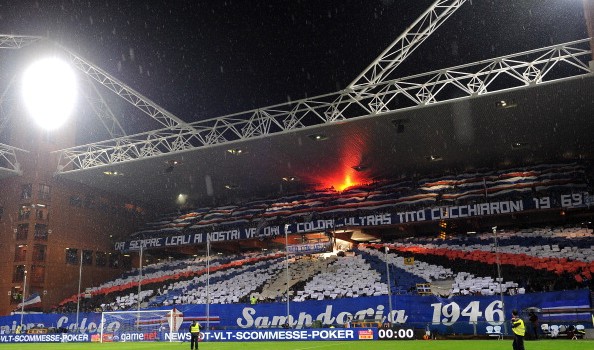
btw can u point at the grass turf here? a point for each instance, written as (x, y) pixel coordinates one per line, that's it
(324, 345)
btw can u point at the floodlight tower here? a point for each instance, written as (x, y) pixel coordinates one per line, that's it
(35, 193)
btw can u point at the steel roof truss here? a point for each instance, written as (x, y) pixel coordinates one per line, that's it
(531, 67)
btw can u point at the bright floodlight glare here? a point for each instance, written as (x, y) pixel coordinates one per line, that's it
(49, 91)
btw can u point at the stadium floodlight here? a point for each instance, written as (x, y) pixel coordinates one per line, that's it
(49, 91)
(181, 199)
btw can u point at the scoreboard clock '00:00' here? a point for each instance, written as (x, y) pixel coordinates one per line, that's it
(396, 333)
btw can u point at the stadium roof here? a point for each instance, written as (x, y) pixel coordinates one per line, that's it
(549, 122)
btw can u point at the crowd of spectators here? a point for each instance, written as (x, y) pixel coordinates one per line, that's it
(464, 264)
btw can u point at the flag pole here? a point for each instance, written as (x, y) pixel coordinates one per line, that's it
(499, 278)
(139, 287)
(287, 272)
(23, 297)
(208, 282)
(386, 250)
(140, 276)
(79, 282)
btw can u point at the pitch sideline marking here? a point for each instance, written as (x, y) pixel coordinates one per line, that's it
(319, 346)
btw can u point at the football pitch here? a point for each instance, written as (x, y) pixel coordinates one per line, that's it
(323, 345)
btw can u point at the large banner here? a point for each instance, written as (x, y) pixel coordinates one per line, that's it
(197, 238)
(309, 248)
(574, 200)
(461, 313)
(252, 335)
(44, 338)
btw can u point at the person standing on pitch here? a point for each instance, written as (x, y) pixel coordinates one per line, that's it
(194, 335)
(533, 324)
(519, 331)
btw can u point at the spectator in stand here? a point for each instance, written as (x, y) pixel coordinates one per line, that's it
(348, 322)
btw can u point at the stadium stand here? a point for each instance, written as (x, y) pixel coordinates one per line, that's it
(302, 268)
(349, 276)
(462, 263)
(162, 278)
(532, 259)
(225, 286)
(381, 196)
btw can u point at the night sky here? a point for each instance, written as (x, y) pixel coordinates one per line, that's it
(203, 59)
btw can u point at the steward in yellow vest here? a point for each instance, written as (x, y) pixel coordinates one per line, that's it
(194, 335)
(519, 331)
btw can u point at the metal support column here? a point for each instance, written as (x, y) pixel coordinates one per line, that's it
(386, 250)
(79, 284)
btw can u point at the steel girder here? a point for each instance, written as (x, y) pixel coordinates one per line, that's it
(379, 70)
(480, 78)
(4, 115)
(98, 103)
(127, 93)
(139, 101)
(12, 42)
(8, 158)
(102, 110)
(16, 41)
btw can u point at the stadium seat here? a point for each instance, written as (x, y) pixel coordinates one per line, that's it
(495, 332)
